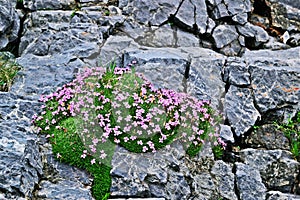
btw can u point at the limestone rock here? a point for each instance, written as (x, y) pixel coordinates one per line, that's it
(240, 110)
(224, 179)
(277, 168)
(254, 35)
(231, 8)
(193, 13)
(149, 175)
(34, 5)
(269, 137)
(275, 195)
(236, 72)
(113, 49)
(52, 72)
(150, 12)
(226, 133)
(164, 67)
(249, 182)
(78, 36)
(275, 82)
(224, 35)
(166, 36)
(205, 80)
(294, 40)
(9, 23)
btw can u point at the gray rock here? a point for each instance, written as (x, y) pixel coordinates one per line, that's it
(236, 72)
(9, 23)
(154, 13)
(113, 49)
(224, 35)
(149, 175)
(240, 110)
(79, 36)
(41, 74)
(61, 181)
(269, 137)
(231, 8)
(294, 40)
(276, 195)
(275, 82)
(224, 179)
(63, 190)
(255, 35)
(34, 5)
(203, 186)
(164, 67)
(274, 44)
(226, 133)
(205, 80)
(278, 168)
(166, 36)
(285, 14)
(249, 183)
(193, 12)
(20, 159)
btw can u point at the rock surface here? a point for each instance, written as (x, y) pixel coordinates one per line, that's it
(9, 23)
(165, 40)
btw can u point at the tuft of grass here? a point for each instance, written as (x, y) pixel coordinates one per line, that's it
(291, 130)
(103, 107)
(8, 70)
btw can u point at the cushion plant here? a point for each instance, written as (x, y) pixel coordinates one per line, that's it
(104, 107)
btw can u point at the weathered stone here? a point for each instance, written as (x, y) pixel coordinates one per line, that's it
(274, 44)
(193, 12)
(269, 137)
(249, 182)
(277, 168)
(275, 82)
(9, 23)
(166, 36)
(236, 72)
(20, 159)
(205, 80)
(294, 40)
(78, 36)
(113, 49)
(276, 195)
(149, 175)
(231, 8)
(285, 14)
(61, 181)
(224, 35)
(41, 74)
(154, 13)
(63, 190)
(226, 133)
(224, 179)
(255, 35)
(164, 67)
(240, 110)
(49, 5)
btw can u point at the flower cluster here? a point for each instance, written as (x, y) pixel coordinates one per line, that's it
(116, 106)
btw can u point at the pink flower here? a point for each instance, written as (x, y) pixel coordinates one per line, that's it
(145, 148)
(140, 142)
(93, 161)
(83, 156)
(95, 141)
(58, 155)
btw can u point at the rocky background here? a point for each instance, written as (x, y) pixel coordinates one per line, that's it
(240, 54)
